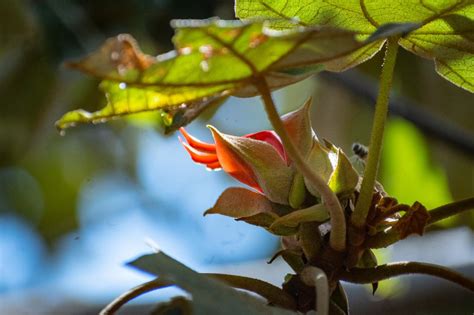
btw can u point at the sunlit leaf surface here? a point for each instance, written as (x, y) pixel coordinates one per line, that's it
(445, 33)
(213, 59)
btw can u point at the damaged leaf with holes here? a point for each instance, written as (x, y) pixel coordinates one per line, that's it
(212, 60)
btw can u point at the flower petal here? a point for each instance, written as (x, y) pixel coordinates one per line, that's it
(319, 158)
(232, 163)
(196, 143)
(298, 125)
(256, 162)
(199, 156)
(270, 137)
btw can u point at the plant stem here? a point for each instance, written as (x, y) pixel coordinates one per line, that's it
(121, 300)
(272, 293)
(375, 147)
(337, 239)
(385, 239)
(383, 272)
(310, 240)
(316, 277)
(450, 209)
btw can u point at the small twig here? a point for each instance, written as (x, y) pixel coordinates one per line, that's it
(316, 277)
(383, 272)
(337, 239)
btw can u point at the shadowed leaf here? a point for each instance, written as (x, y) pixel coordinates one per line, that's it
(205, 291)
(240, 202)
(413, 222)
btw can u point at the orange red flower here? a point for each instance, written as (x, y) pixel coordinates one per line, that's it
(219, 155)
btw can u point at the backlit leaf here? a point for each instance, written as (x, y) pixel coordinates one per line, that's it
(439, 30)
(212, 59)
(344, 178)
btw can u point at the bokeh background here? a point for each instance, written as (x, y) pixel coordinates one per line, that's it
(75, 208)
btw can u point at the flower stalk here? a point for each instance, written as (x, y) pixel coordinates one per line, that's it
(337, 239)
(361, 210)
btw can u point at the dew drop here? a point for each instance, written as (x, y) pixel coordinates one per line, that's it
(123, 85)
(204, 66)
(185, 50)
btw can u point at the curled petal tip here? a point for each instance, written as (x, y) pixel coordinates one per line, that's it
(196, 143)
(214, 166)
(199, 156)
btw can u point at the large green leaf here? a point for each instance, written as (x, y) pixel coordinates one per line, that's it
(212, 59)
(445, 30)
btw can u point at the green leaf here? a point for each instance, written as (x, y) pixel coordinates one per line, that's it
(321, 160)
(344, 178)
(440, 30)
(297, 191)
(212, 59)
(316, 213)
(334, 167)
(205, 291)
(262, 219)
(236, 202)
(342, 14)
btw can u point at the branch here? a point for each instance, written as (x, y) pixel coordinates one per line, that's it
(450, 209)
(337, 239)
(272, 293)
(383, 272)
(385, 239)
